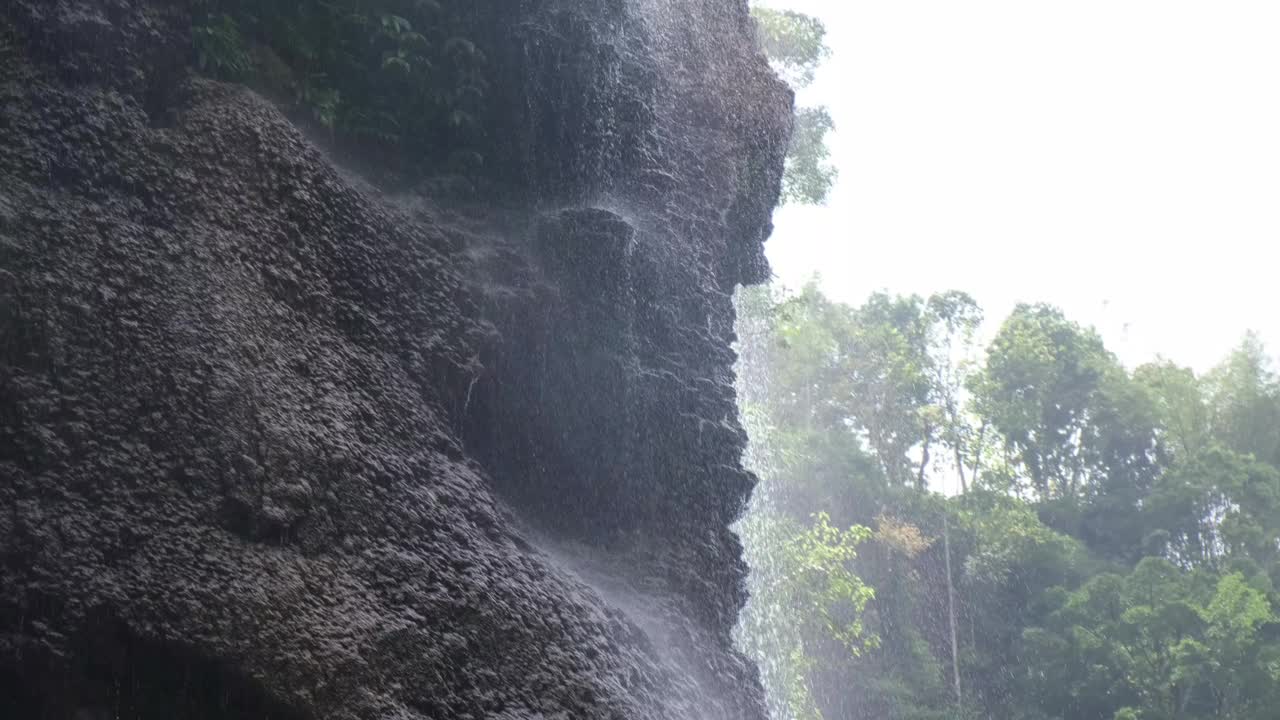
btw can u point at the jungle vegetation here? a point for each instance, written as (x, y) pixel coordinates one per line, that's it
(1024, 529)
(403, 80)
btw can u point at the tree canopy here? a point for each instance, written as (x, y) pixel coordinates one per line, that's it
(795, 44)
(1107, 546)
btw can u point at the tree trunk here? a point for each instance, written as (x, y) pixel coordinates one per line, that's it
(951, 608)
(977, 449)
(924, 458)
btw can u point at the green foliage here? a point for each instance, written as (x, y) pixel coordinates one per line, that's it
(1162, 639)
(820, 580)
(809, 175)
(1214, 507)
(399, 76)
(888, 370)
(805, 582)
(1244, 402)
(1014, 552)
(794, 42)
(1040, 387)
(956, 318)
(1114, 554)
(795, 45)
(1180, 405)
(220, 49)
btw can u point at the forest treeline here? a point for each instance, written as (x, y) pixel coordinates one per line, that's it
(1023, 531)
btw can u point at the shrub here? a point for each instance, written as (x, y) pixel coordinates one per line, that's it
(397, 75)
(220, 49)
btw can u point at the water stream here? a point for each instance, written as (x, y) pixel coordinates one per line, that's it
(766, 627)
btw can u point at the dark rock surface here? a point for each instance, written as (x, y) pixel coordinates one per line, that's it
(273, 444)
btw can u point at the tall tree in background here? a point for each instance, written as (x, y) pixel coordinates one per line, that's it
(808, 174)
(955, 318)
(1180, 404)
(796, 45)
(403, 79)
(1040, 388)
(794, 42)
(890, 373)
(1244, 402)
(884, 385)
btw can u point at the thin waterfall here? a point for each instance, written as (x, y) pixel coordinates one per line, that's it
(767, 629)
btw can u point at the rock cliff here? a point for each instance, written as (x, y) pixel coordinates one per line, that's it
(277, 442)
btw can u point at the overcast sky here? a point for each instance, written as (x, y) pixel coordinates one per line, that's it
(1117, 158)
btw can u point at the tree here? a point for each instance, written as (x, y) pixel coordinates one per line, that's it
(1011, 562)
(955, 318)
(1179, 399)
(1115, 557)
(1214, 508)
(884, 377)
(1158, 643)
(809, 175)
(1070, 416)
(795, 44)
(1232, 620)
(804, 589)
(1244, 402)
(1039, 389)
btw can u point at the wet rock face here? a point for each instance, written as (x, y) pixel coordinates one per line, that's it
(663, 133)
(273, 445)
(138, 48)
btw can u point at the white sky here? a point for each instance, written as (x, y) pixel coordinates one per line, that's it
(1117, 158)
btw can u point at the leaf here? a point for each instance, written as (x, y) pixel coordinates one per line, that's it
(461, 118)
(396, 61)
(459, 45)
(395, 24)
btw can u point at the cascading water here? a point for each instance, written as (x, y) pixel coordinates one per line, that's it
(766, 630)
(616, 124)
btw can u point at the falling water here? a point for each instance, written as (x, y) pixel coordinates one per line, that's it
(765, 631)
